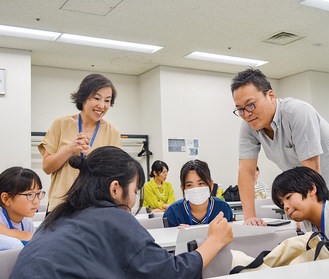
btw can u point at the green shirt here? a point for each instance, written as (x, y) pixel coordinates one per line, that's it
(155, 197)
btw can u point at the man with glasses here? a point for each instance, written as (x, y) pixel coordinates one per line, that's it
(291, 132)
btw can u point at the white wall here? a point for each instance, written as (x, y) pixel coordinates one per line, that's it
(52, 88)
(196, 104)
(320, 92)
(163, 103)
(150, 96)
(310, 86)
(15, 109)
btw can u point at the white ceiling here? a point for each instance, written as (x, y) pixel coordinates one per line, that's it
(228, 27)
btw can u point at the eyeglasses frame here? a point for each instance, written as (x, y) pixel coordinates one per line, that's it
(34, 194)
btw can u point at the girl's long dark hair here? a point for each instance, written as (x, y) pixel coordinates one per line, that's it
(92, 186)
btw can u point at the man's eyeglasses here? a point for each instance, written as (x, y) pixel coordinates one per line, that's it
(249, 108)
(31, 196)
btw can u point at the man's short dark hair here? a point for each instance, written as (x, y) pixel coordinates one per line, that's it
(251, 76)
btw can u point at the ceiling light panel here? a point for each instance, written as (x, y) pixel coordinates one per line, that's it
(319, 4)
(75, 39)
(225, 59)
(99, 42)
(28, 33)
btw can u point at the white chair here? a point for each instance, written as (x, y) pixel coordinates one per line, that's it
(249, 239)
(7, 261)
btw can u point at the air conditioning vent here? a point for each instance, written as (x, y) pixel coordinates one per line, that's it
(283, 38)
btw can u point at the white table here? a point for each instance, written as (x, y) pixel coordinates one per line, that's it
(146, 215)
(248, 239)
(291, 226)
(236, 207)
(165, 237)
(276, 209)
(235, 203)
(317, 269)
(142, 216)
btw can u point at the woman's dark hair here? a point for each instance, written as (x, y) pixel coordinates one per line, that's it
(88, 88)
(92, 186)
(251, 76)
(299, 180)
(16, 180)
(200, 167)
(157, 167)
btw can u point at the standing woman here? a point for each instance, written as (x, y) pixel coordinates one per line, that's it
(197, 207)
(78, 134)
(158, 194)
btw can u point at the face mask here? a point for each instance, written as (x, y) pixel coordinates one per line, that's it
(197, 195)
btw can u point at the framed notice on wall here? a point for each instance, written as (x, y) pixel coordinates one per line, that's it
(2, 82)
(176, 145)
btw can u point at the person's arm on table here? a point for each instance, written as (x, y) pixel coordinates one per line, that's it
(21, 235)
(246, 184)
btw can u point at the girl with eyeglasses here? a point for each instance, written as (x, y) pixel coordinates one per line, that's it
(20, 195)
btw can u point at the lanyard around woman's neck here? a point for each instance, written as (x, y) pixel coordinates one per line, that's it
(94, 135)
(10, 224)
(190, 213)
(322, 217)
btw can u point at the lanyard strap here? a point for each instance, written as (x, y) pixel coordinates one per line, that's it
(10, 224)
(322, 217)
(190, 214)
(94, 135)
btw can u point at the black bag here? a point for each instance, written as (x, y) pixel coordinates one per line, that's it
(232, 193)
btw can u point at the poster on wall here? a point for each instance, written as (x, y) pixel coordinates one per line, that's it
(193, 148)
(176, 145)
(2, 82)
(189, 146)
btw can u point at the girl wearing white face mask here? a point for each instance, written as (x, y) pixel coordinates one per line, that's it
(197, 207)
